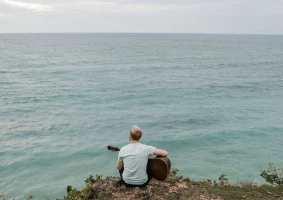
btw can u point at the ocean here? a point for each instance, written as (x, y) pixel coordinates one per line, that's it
(214, 102)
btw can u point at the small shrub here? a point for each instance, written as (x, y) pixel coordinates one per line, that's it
(223, 180)
(73, 193)
(29, 197)
(273, 174)
(173, 177)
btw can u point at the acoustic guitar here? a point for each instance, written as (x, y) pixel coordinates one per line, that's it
(158, 167)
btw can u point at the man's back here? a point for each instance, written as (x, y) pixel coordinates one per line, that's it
(135, 158)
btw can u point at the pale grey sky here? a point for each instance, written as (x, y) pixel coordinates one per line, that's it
(169, 16)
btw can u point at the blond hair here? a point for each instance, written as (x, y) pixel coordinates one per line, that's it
(135, 133)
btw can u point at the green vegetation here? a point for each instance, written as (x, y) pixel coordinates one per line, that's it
(273, 174)
(178, 187)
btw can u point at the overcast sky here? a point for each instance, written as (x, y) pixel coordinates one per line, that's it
(169, 16)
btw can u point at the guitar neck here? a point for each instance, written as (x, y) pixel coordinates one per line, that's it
(112, 148)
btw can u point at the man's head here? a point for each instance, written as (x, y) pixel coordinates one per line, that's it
(135, 133)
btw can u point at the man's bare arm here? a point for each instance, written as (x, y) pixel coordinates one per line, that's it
(160, 152)
(119, 164)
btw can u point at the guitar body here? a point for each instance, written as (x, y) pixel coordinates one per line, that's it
(158, 167)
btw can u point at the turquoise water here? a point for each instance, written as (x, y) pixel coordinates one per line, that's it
(215, 102)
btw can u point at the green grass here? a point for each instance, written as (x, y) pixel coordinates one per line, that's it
(240, 192)
(174, 187)
(177, 187)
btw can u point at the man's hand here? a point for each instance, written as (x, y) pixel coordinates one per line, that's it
(160, 152)
(119, 164)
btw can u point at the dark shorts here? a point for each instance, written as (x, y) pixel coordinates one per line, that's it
(130, 185)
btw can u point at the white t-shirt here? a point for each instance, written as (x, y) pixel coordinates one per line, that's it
(135, 158)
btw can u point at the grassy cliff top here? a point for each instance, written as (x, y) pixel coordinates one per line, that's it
(176, 187)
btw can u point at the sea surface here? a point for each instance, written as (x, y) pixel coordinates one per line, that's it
(214, 102)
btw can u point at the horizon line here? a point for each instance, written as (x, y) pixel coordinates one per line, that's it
(275, 34)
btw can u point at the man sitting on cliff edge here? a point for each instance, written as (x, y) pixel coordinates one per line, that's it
(133, 158)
